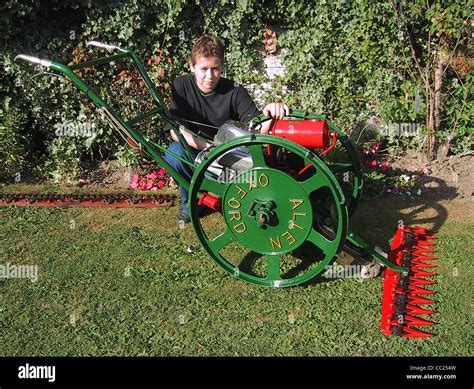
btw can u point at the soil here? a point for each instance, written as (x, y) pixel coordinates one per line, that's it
(451, 178)
(107, 175)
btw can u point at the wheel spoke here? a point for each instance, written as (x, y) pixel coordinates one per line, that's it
(314, 182)
(320, 241)
(219, 242)
(273, 267)
(256, 151)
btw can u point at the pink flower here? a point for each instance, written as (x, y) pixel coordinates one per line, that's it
(153, 175)
(149, 181)
(426, 169)
(374, 163)
(384, 166)
(376, 147)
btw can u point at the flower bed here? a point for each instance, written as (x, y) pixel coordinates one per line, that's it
(155, 180)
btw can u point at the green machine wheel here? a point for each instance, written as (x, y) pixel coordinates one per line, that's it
(267, 230)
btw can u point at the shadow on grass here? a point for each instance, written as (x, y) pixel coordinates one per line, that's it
(305, 254)
(379, 219)
(376, 222)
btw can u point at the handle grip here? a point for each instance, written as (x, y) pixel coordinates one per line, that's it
(104, 46)
(29, 58)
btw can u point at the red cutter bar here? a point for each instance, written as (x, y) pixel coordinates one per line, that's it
(404, 292)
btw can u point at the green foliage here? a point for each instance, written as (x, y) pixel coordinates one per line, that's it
(437, 36)
(380, 177)
(14, 139)
(127, 156)
(341, 59)
(64, 159)
(26, 32)
(158, 31)
(345, 60)
(459, 115)
(397, 145)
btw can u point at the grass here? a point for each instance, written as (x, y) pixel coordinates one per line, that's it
(121, 282)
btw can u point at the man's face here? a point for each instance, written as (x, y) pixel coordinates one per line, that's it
(208, 71)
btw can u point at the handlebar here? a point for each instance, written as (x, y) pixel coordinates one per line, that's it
(47, 63)
(29, 58)
(105, 46)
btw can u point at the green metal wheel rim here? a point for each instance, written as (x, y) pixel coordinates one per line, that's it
(323, 178)
(353, 166)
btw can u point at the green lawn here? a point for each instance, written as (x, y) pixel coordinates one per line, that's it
(120, 282)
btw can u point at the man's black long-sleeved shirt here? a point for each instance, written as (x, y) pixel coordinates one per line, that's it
(227, 101)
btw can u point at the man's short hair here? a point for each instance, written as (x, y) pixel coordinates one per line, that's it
(207, 46)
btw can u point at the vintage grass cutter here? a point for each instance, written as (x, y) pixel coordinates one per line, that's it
(280, 203)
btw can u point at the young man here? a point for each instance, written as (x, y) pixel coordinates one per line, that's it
(207, 98)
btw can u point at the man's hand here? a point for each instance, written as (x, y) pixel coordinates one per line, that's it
(276, 110)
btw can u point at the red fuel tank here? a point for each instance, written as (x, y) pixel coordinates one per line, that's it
(308, 133)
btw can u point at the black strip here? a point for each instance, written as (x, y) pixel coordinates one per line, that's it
(212, 372)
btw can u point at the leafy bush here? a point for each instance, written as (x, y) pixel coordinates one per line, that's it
(64, 159)
(345, 60)
(459, 114)
(14, 140)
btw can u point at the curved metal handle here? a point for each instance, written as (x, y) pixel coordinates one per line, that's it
(104, 45)
(332, 145)
(29, 58)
